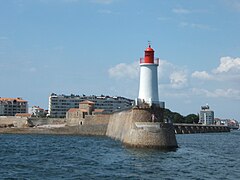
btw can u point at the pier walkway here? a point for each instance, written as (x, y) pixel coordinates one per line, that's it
(199, 128)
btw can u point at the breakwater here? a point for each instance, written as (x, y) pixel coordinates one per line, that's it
(132, 127)
(199, 128)
(136, 128)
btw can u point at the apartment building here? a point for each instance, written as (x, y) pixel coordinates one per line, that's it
(36, 111)
(13, 106)
(206, 116)
(60, 104)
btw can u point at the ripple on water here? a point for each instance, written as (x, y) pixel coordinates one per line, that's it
(200, 156)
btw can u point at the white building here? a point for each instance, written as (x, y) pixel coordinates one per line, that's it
(60, 104)
(36, 111)
(206, 115)
(13, 106)
(231, 123)
(148, 86)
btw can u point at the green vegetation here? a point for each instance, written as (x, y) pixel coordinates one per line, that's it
(178, 118)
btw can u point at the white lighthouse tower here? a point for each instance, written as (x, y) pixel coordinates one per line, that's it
(148, 87)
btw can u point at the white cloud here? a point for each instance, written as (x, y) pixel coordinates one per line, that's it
(59, 1)
(228, 65)
(234, 4)
(178, 79)
(163, 18)
(103, 1)
(196, 26)
(175, 82)
(218, 93)
(203, 75)
(228, 70)
(123, 70)
(165, 69)
(70, 1)
(106, 2)
(181, 11)
(169, 75)
(105, 11)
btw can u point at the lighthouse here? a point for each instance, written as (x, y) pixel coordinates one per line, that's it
(148, 87)
(144, 125)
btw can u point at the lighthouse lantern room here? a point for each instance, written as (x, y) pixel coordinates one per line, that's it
(148, 87)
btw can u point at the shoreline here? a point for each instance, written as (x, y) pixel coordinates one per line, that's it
(100, 130)
(62, 130)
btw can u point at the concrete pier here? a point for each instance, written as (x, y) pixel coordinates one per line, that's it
(199, 128)
(137, 128)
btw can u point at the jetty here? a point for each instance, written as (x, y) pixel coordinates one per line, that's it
(199, 128)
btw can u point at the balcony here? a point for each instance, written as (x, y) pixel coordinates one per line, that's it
(156, 61)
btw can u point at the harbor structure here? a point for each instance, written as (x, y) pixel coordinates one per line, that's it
(206, 115)
(143, 125)
(13, 106)
(148, 85)
(231, 123)
(60, 104)
(85, 108)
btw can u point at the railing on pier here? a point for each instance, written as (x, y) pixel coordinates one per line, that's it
(199, 128)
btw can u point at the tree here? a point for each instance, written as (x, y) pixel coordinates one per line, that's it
(173, 116)
(178, 118)
(191, 119)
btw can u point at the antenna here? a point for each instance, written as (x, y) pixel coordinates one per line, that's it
(149, 43)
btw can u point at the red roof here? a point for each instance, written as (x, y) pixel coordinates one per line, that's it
(86, 102)
(23, 114)
(12, 99)
(99, 110)
(73, 110)
(83, 110)
(149, 48)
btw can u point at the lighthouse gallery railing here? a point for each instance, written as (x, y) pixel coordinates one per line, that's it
(156, 60)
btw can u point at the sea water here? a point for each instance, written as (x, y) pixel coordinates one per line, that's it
(199, 156)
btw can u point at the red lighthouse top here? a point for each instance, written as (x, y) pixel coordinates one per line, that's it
(149, 48)
(149, 55)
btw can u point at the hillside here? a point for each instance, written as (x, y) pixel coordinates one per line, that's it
(178, 118)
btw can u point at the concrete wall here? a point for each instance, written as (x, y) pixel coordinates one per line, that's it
(12, 121)
(44, 121)
(122, 126)
(87, 129)
(119, 124)
(97, 119)
(90, 125)
(89, 120)
(164, 137)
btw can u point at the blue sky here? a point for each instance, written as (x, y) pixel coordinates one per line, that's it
(93, 47)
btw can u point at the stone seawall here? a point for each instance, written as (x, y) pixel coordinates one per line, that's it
(89, 120)
(135, 128)
(33, 121)
(12, 121)
(119, 125)
(89, 125)
(93, 130)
